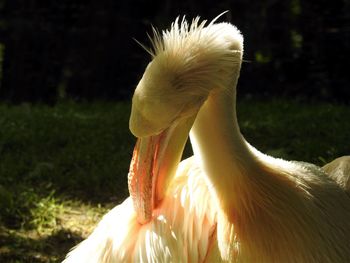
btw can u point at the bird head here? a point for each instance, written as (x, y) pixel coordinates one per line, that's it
(189, 62)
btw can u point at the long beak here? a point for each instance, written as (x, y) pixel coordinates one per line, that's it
(154, 163)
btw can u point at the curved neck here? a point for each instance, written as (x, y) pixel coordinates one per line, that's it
(222, 151)
(215, 135)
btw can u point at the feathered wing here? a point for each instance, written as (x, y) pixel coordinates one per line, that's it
(118, 228)
(183, 228)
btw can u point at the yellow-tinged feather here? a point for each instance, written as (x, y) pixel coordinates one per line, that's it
(229, 202)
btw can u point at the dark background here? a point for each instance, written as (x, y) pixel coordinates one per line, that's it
(80, 49)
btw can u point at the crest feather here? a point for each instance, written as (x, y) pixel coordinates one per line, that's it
(197, 54)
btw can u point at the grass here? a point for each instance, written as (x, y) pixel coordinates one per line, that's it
(63, 167)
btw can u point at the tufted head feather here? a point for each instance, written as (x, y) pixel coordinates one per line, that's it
(189, 60)
(197, 54)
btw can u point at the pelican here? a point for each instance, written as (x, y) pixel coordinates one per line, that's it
(227, 203)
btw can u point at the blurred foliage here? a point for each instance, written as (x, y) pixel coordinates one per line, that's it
(295, 130)
(84, 49)
(50, 147)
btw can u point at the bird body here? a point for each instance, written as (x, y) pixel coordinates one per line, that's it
(181, 231)
(229, 202)
(279, 211)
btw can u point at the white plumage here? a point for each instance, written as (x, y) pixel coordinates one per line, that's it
(339, 171)
(181, 231)
(229, 202)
